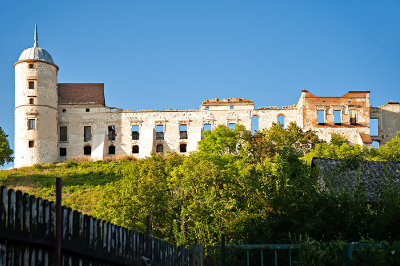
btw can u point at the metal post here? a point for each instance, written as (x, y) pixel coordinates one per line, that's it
(223, 249)
(57, 246)
(262, 258)
(248, 257)
(148, 242)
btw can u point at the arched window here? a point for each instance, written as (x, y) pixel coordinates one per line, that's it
(281, 120)
(135, 149)
(159, 148)
(254, 124)
(182, 147)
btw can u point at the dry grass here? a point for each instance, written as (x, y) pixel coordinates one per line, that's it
(120, 157)
(79, 159)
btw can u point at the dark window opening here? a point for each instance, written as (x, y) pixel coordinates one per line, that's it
(31, 143)
(87, 133)
(182, 147)
(337, 117)
(87, 150)
(135, 149)
(111, 149)
(135, 132)
(63, 151)
(159, 148)
(280, 121)
(63, 133)
(31, 66)
(183, 134)
(64, 110)
(31, 85)
(320, 116)
(111, 133)
(353, 117)
(232, 126)
(31, 101)
(159, 132)
(87, 110)
(31, 124)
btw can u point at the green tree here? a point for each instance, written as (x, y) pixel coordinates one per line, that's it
(391, 150)
(5, 150)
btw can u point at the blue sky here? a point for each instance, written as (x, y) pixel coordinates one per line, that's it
(173, 54)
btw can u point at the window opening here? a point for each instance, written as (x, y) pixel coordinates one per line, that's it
(112, 110)
(31, 143)
(87, 110)
(31, 85)
(111, 133)
(254, 124)
(64, 110)
(87, 150)
(207, 127)
(159, 132)
(373, 124)
(321, 116)
(87, 133)
(232, 126)
(135, 149)
(63, 151)
(353, 117)
(31, 124)
(231, 107)
(159, 148)
(63, 133)
(183, 134)
(207, 108)
(111, 149)
(375, 144)
(31, 101)
(135, 132)
(337, 117)
(182, 147)
(280, 121)
(31, 66)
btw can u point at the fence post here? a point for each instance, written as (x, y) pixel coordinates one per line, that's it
(57, 246)
(223, 249)
(148, 243)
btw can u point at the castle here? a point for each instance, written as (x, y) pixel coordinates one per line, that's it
(56, 121)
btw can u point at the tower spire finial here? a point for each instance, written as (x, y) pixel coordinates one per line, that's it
(36, 38)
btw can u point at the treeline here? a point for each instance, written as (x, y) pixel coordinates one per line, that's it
(254, 189)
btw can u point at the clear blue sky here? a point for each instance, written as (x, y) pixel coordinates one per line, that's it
(173, 54)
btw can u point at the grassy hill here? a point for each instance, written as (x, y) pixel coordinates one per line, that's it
(82, 181)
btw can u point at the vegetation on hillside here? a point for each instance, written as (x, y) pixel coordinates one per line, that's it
(253, 188)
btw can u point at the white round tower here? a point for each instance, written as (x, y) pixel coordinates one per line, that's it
(36, 101)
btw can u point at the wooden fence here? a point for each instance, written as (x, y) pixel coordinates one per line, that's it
(28, 237)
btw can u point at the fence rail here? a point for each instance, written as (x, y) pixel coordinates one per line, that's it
(28, 230)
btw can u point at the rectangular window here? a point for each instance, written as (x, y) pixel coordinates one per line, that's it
(31, 101)
(353, 117)
(111, 133)
(87, 150)
(31, 124)
(321, 116)
(183, 134)
(111, 150)
(373, 125)
(375, 144)
(31, 85)
(63, 133)
(135, 132)
(31, 66)
(63, 152)
(232, 126)
(87, 133)
(159, 132)
(207, 127)
(207, 108)
(31, 143)
(231, 107)
(337, 114)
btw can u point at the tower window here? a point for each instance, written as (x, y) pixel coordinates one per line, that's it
(31, 101)
(87, 133)
(111, 133)
(135, 149)
(63, 151)
(31, 124)
(135, 132)
(87, 150)
(159, 148)
(31, 85)
(182, 147)
(63, 134)
(111, 149)
(31, 143)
